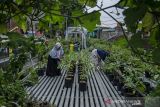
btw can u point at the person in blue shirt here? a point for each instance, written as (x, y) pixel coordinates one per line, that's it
(98, 56)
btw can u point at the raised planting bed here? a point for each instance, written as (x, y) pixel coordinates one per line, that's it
(117, 80)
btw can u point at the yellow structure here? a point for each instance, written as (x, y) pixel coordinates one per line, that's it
(71, 47)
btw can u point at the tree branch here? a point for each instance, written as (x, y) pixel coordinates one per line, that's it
(79, 15)
(132, 48)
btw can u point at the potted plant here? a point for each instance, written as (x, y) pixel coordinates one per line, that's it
(127, 90)
(120, 85)
(110, 69)
(84, 67)
(83, 82)
(141, 88)
(68, 63)
(68, 82)
(41, 50)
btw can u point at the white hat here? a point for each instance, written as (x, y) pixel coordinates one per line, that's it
(58, 45)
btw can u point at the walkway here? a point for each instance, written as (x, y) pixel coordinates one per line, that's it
(100, 93)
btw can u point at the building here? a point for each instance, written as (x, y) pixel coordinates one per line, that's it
(108, 33)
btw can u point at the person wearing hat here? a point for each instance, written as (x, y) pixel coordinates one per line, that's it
(98, 57)
(53, 60)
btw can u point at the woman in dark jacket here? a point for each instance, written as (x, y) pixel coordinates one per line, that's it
(53, 60)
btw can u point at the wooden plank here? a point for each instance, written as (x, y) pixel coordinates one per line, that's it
(62, 99)
(40, 79)
(109, 92)
(47, 92)
(86, 99)
(38, 90)
(104, 90)
(101, 86)
(45, 89)
(57, 90)
(67, 98)
(34, 89)
(98, 91)
(91, 96)
(72, 96)
(81, 100)
(112, 90)
(111, 86)
(54, 88)
(95, 95)
(77, 93)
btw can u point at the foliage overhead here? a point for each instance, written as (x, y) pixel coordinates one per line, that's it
(44, 11)
(142, 18)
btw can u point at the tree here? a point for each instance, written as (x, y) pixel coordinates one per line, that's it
(44, 11)
(142, 18)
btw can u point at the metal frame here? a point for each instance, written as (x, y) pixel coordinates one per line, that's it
(74, 31)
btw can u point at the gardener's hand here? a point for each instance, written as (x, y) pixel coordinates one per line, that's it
(98, 67)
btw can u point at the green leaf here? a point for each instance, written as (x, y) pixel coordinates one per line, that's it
(90, 21)
(126, 3)
(22, 23)
(156, 55)
(77, 12)
(138, 42)
(90, 3)
(154, 39)
(147, 21)
(65, 2)
(43, 24)
(19, 1)
(3, 28)
(140, 26)
(133, 16)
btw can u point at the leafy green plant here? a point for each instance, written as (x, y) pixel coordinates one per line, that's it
(146, 21)
(11, 92)
(110, 67)
(68, 61)
(85, 60)
(41, 51)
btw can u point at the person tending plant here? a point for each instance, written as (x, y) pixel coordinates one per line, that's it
(98, 57)
(54, 59)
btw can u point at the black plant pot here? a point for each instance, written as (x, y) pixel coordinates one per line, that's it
(29, 104)
(119, 86)
(83, 85)
(138, 94)
(121, 68)
(147, 74)
(41, 71)
(127, 91)
(110, 77)
(107, 73)
(148, 87)
(115, 82)
(68, 82)
(74, 68)
(28, 84)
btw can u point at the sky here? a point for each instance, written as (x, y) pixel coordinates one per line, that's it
(105, 19)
